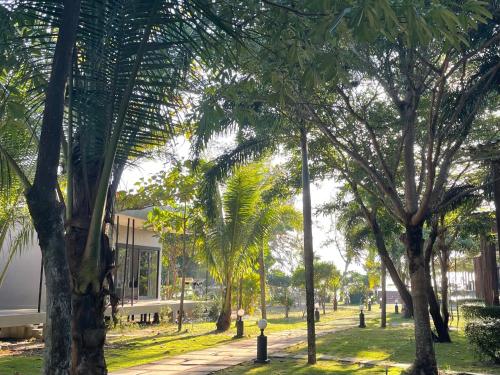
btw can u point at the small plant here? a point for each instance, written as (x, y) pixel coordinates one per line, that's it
(484, 334)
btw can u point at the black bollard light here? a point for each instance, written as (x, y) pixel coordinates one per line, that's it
(361, 317)
(316, 312)
(369, 305)
(239, 324)
(262, 343)
(396, 307)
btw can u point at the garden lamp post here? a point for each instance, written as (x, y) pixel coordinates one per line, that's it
(316, 312)
(262, 343)
(239, 323)
(396, 307)
(361, 317)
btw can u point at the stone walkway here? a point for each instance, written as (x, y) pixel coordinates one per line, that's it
(220, 357)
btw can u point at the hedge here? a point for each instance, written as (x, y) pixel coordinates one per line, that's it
(476, 311)
(484, 335)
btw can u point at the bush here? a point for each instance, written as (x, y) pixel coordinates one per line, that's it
(200, 311)
(213, 311)
(484, 335)
(479, 311)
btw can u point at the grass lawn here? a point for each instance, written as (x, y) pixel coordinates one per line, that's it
(132, 345)
(294, 366)
(397, 344)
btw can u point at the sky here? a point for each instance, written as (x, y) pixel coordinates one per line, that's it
(321, 193)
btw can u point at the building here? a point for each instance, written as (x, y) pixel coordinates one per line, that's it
(137, 278)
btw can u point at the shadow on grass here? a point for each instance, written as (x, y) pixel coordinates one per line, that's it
(293, 366)
(162, 336)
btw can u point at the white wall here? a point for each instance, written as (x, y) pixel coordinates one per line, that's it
(19, 289)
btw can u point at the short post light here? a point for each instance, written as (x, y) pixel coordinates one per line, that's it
(316, 312)
(396, 307)
(369, 304)
(361, 317)
(239, 323)
(262, 343)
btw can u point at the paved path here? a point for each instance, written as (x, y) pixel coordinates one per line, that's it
(220, 357)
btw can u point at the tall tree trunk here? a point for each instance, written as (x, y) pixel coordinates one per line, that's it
(308, 249)
(495, 166)
(425, 359)
(183, 290)
(434, 279)
(262, 280)
(383, 302)
(224, 320)
(444, 290)
(444, 263)
(183, 269)
(48, 222)
(45, 210)
(335, 300)
(393, 272)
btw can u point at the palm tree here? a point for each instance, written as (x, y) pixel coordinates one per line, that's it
(274, 217)
(231, 238)
(44, 204)
(130, 62)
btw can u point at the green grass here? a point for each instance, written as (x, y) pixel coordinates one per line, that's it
(295, 366)
(397, 344)
(21, 364)
(131, 345)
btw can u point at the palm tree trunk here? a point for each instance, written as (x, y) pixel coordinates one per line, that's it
(425, 360)
(224, 320)
(383, 302)
(46, 211)
(308, 249)
(262, 279)
(88, 333)
(88, 327)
